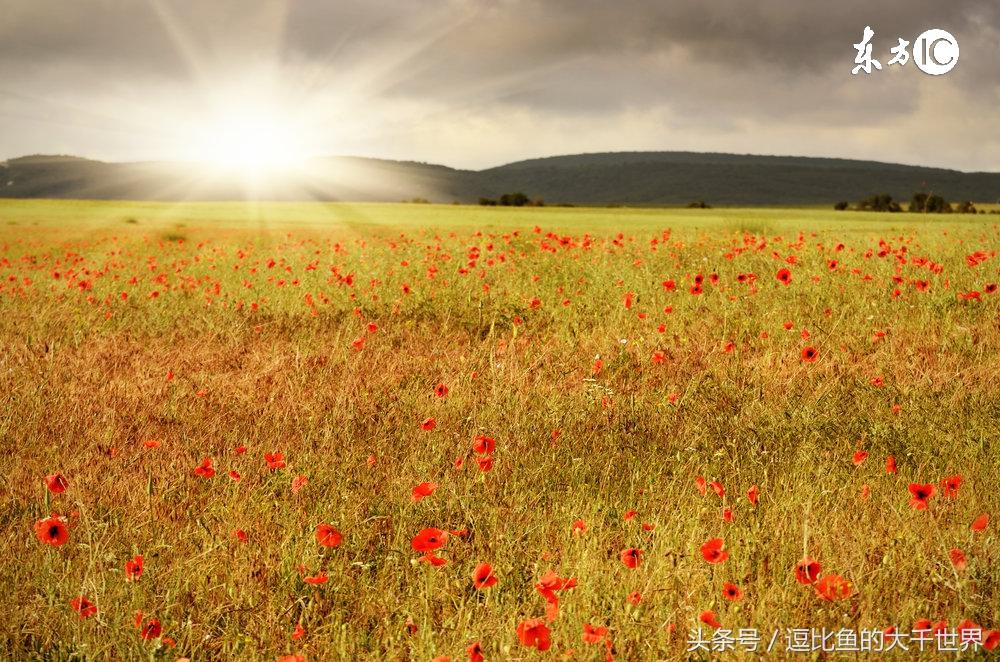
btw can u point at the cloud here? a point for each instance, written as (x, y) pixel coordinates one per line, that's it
(380, 75)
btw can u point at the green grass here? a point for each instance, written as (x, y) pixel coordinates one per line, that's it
(83, 382)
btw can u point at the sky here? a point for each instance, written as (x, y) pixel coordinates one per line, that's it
(478, 83)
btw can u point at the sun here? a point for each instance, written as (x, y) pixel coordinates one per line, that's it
(250, 141)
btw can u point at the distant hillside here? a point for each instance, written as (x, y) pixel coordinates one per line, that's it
(648, 178)
(627, 178)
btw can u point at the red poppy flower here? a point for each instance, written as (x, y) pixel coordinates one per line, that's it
(784, 276)
(56, 483)
(920, 494)
(921, 625)
(890, 465)
(950, 485)
(810, 354)
(422, 490)
(298, 483)
(592, 635)
(833, 587)
(429, 539)
(205, 469)
(485, 463)
(441, 390)
(708, 618)
(991, 640)
(327, 535)
(550, 581)
(731, 591)
(631, 557)
(483, 577)
(859, 457)
(958, 559)
(578, 527)
(547, 585)
(807, 571)
(428, 424)
(52, 531)
(84, 607)
(235, 475)
(712, 551)
(133, 568)
(151, 630)
(240, 535)
(274, 460)
(433, 560)
(980, 523)
(753, 494)
(151, 443)
(658, 357)
(699, 482)
(317, 579)
(475, 651)
(483, 445)
(534, 633)
(718, 488)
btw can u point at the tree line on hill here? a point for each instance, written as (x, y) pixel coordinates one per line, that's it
(516, 199)
(921, 203)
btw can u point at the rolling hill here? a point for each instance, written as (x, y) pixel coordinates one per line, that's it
(620, 178)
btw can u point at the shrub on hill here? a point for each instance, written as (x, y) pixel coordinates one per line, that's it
(517, 199)
(880, 202)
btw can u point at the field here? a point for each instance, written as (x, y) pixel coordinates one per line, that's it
(642, 420)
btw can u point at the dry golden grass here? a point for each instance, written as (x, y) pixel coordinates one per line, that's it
(84, 382)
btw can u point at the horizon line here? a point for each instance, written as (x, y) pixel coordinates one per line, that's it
(509, 163)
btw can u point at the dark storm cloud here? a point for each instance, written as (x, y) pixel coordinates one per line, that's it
(464, 41)
(630, 51)
(700, 66)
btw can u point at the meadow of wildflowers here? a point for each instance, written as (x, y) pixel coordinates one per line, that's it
(418, 432)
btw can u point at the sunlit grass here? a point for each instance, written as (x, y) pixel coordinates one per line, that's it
(216, 345)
